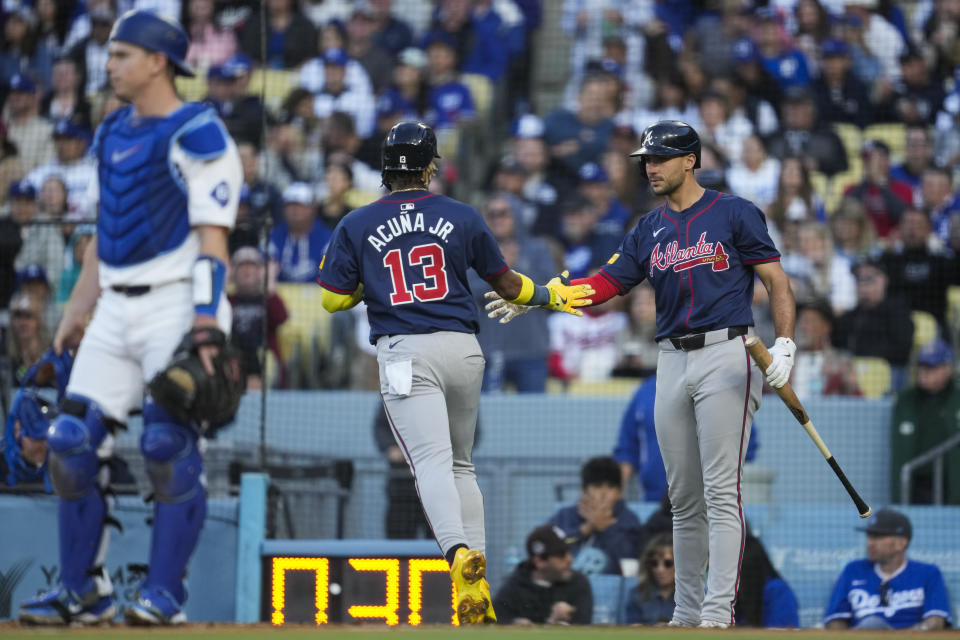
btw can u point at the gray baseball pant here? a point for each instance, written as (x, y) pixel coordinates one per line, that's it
(703, 411)
(430, 384)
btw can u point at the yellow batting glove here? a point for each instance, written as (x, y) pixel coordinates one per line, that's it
(566, 297)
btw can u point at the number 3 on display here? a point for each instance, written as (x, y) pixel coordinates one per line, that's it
(430, 258)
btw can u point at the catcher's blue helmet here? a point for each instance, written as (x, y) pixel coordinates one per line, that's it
(154, 32)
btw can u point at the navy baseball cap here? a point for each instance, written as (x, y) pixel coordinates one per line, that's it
(66, 128)
(527, 126)
(887, 522)
(875, 145)
(439, 37)
(22, 189)
(834, 48)
(935, 353)
(593, 172)
(22, 82)
(335, 56)
(546, 540)
(237, 65)
(32, 273)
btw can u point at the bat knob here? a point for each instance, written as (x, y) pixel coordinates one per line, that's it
(867, 513)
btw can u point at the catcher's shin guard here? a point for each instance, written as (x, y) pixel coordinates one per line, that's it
(175, 468)
(80, 446)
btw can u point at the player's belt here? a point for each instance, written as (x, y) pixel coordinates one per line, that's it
(132, 291)
(700, 340)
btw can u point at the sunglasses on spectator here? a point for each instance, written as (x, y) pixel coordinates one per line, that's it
(664, 562)
(495, 212)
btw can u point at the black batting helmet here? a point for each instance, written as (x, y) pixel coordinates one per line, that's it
(668, 138)
(409, 146)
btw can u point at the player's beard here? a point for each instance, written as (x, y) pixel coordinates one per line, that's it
(667, 187)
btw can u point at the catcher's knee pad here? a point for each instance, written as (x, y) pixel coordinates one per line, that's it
(78, 440)
(174, 463)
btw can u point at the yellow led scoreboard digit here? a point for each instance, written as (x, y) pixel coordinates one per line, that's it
(356, 581)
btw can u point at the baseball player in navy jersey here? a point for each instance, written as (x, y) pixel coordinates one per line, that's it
(168, 182)
(886, 590)
(406, 255)
(700, 250)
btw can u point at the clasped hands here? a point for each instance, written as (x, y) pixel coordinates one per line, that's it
(564, 297)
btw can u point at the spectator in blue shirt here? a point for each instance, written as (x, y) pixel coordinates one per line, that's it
(578, 137)
(786, 64)
(297, 244)
(449, 100)
(595, 187)
(389, 32)
(477, 31)
(600, 529)
(585, 246)
(764, 598)
(886, 590)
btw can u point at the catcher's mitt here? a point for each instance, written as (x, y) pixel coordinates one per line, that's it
(187, 391)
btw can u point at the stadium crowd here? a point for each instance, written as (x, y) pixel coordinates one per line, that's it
(839, 118)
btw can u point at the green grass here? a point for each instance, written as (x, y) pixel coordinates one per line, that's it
(12, 631)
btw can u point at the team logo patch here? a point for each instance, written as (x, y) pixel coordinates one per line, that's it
(672, 257)
(221, 193)
(613, 258)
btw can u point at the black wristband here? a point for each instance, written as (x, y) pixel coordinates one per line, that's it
(540, 297)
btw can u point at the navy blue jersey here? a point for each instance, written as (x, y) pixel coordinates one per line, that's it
(915, 592)
(698, 261)
(411, 252)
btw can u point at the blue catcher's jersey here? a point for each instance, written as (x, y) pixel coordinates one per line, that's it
(143, 200)
(698, 261)
(916, 592)
(411, 252)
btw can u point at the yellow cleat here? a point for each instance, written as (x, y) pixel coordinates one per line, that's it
(473, 593)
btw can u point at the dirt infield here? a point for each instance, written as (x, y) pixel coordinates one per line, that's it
(13, 631)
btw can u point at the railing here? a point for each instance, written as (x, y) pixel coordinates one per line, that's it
(936, 455)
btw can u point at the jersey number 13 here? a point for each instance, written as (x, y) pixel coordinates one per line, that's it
(429, 257)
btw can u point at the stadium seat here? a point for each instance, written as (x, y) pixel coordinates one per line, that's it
(893, 134)
(924, 328)
(481, 90)
(873, 376)
(839, 184)
(611, 387)
(192, 88)
(607, 596)
(626, 584)
(953, 308)
(304, 333)
(277, 82)
(851, 137)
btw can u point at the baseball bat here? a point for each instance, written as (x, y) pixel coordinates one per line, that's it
(763, 359)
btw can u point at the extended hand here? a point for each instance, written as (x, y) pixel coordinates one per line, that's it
(566, 297)
(500, 307)
(778, 372)
(68, 333)
(206, 352)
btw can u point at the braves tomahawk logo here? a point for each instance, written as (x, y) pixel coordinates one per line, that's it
(673, 257)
